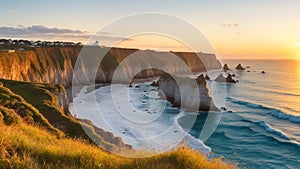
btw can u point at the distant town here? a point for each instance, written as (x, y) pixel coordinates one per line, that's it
(13, 45)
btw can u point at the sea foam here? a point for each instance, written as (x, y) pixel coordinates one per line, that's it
(136, 115)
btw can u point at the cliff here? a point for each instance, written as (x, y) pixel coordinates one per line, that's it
(187, 93)
(56, 64)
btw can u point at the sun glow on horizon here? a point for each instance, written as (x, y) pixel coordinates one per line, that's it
(298, 56)
(298, 50)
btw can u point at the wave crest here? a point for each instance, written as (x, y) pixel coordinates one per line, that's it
(272, 111)
(273, 130)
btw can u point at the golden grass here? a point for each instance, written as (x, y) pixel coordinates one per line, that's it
(24, 146)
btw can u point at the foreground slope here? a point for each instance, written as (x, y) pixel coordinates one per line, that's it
(41, 104)
(36, 133)
(24, 146)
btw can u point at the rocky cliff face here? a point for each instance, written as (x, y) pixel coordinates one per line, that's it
(56, 64)
(41, 65)
(187, 93)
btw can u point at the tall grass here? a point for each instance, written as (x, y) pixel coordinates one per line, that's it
(24, 146)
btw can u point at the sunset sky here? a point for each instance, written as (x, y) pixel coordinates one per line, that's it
(237, 29)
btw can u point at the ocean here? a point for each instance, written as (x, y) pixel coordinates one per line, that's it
(263, 130)
(260, 129)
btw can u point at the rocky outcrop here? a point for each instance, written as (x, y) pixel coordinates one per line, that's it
(56, 64)
(227, 79)
(225, 67)
(154, 84)
(39, 65)
(239, 67)
(187, 93)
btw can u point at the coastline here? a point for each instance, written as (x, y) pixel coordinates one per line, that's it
(133, 141)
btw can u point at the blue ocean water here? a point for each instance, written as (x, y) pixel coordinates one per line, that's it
(263, 129)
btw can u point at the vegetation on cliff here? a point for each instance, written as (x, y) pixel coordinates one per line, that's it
(38, 104)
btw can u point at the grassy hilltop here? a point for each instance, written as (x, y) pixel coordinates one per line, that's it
(35, 132)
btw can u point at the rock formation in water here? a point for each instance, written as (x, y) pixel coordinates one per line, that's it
(154, 84)
(187, 93)
(207, 77)
(239, 67)
(225, 67)
(227, 79)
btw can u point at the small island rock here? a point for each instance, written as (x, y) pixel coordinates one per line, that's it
(154, 84)
(225, 67)
(228, 79)
(239, 67)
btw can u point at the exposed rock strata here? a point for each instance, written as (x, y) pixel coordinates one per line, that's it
(56, 64)
(187, 93)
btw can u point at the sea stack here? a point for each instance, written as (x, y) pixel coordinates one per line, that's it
(207, 77)
(228, 79)
(239, 67)
(192, 100)
(201, 79)
(225, 67)
(154, 84)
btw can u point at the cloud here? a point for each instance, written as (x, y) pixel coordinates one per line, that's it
(12, 11)
(35, 29)
(46, 33)
(230, 25)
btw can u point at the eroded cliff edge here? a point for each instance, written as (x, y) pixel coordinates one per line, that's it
(56, 64)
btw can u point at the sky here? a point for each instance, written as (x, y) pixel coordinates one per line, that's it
(255, 29)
